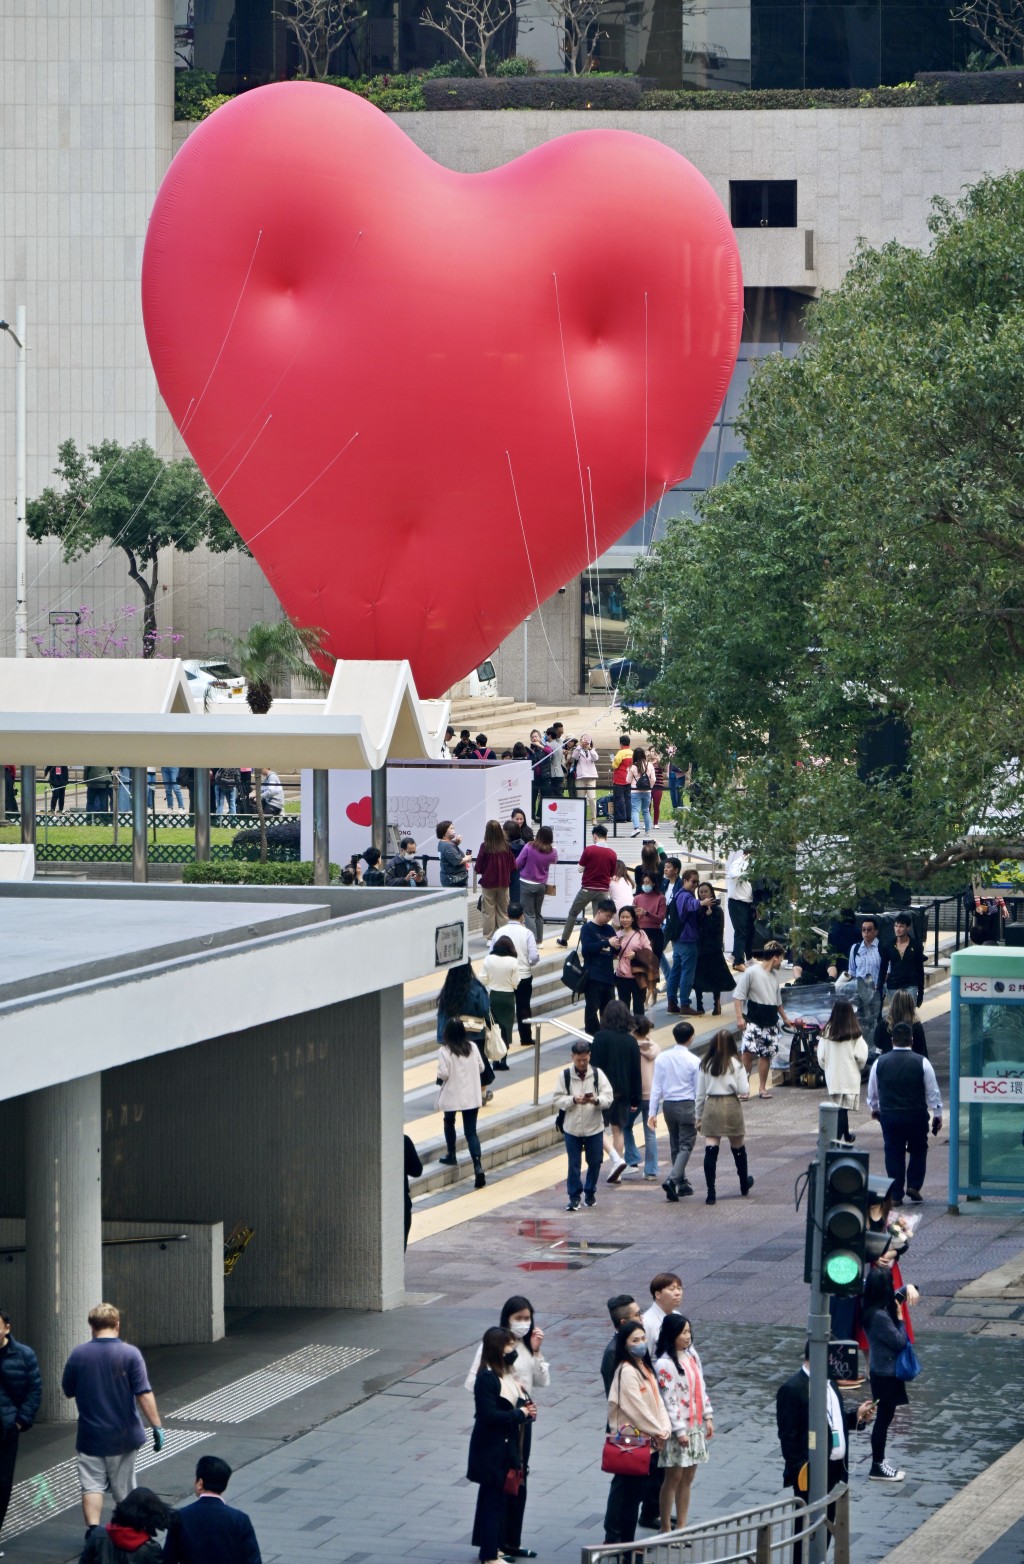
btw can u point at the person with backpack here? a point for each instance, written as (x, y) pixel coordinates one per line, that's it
(130, 1537)
(621, 762)
(481, 749)
(581, 1096)
(640, 778)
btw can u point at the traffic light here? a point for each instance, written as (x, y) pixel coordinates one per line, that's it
(844, 1228)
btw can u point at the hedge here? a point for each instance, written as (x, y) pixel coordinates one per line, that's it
(912, 95)
(1001, 86)
(252, 873)
(533, 92)
(283, 843)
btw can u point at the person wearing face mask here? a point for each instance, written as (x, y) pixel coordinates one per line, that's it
(503, 1412)
(650, 902)
(529, 1368)
(405, 868)
(634, 1401)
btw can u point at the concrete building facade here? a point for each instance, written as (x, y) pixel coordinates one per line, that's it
(87, 133)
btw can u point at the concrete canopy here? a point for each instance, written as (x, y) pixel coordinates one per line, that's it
(136, 712)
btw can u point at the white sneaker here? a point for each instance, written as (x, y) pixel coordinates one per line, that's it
(618, 1168)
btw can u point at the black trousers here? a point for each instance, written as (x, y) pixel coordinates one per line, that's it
(741, 916)
(8, 1456)
(488, 1520)
(621, 801)
(524, 1002)
(511, 1533)
(622, 1511)
(595, 997)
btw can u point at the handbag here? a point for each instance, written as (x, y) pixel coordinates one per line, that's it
(906, 1365)
(573, 973)
(515, 1476)
(550, 890)
(495, 1047)
(627, 1453)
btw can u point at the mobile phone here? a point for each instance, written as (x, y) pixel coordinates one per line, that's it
(901, 1295)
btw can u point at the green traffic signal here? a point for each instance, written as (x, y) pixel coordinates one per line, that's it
(843, 1269)
(846, 1221)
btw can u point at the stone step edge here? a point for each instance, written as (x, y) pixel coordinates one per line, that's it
(498, 1153)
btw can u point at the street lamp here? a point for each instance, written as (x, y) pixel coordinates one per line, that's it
(20, 501)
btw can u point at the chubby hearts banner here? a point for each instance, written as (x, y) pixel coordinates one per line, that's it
(425, 399)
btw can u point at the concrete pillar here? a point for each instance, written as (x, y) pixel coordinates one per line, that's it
(321, 829)
(379, 809)
(63, 1237)
(28, 805)
(201, 808)
(140, 844)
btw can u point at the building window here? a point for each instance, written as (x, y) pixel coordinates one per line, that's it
(762, 203)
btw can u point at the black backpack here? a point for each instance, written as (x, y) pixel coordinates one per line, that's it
(560, 1115)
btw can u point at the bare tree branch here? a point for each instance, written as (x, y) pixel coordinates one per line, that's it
(579, 32)
(470, 26)
(1000, 23)
(321, 28)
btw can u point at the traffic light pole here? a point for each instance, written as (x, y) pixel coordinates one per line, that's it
(819, 1323)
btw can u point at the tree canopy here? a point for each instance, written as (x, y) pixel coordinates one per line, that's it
(128, 498)
(865, 563)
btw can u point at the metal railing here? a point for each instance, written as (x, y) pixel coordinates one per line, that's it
(756, 1536)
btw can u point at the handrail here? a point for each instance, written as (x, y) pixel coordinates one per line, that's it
(108, 1243)
(759, 1535)
(563, 1026)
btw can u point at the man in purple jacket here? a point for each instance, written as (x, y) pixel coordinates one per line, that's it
(681, 929)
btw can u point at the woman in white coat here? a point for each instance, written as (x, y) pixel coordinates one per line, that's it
(529, 1369)
(842, 1054)
(585, 757)
(459, 1067)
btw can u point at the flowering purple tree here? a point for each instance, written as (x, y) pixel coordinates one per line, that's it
(118, 636)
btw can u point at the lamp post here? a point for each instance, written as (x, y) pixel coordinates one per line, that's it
(18, 332)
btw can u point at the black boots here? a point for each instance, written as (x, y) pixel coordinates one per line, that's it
(740, 1159)
(710, 1164)
(478, 1169)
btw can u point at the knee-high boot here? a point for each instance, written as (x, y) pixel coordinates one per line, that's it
(740, 1159)
(710, 1165)
(478, 1169)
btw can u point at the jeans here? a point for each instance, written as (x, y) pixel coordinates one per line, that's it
(124, 791)
(684, 965)
(641, 804)
(675, 789)
(868, 1005)
(682, 1133)
(172, 787)
(228, 796)
(576, 1147)
(595, 997)
(650, 1142)
(905, 1137)
(468, 1129)
(533, 907)
(97, 801)
(741, 916)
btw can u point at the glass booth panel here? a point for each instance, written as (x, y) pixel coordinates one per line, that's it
(991, 1127)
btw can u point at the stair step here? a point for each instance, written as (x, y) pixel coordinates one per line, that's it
(538, 1135)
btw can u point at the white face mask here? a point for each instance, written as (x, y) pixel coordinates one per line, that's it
(519, 1327)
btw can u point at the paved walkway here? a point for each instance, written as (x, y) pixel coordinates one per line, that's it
(366, 1465)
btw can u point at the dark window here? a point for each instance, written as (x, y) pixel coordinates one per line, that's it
(763, 203)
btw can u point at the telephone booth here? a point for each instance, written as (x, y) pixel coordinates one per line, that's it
(986, 1072)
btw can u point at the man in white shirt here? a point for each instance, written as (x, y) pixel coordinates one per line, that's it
(675, 1088)
(865, 966)
(528, 956)
(740, 901)
(582, 1094)
(667, 1293)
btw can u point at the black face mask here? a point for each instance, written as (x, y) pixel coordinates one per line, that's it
(510, 1358)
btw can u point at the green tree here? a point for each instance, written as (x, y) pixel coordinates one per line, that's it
(128, 498)
(267, 655)
(865, 563)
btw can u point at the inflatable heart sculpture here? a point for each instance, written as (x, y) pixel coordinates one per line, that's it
(426, 399)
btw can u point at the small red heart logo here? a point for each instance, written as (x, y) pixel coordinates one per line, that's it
(552, 806)
(361, 812)
(387, 370)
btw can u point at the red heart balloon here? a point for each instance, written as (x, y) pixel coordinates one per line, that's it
(426, 399)
(361, 812)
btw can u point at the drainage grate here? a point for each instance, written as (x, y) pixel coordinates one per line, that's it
(37, 1499)
(254, 1393)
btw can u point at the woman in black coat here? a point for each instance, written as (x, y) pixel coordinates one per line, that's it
(130, 1538)
(494, 1446)
(712, 974)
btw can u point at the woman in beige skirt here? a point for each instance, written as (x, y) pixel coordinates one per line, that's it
(722, 1087)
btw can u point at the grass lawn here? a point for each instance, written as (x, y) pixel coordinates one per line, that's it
(103, 835)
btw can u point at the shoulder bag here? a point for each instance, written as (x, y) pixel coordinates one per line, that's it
(573, 973)
(907, 1366)
(560, 1115)
(495, 1047)
(515, 1477)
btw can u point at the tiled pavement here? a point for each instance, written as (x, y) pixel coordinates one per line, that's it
(368, 1467)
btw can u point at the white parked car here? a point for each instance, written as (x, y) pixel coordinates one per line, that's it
(213, 679)
(483, 680)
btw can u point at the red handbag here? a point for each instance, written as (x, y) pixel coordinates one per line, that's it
(513, 1481)
(627, 1453)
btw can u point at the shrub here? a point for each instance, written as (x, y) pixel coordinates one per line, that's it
(283, 843)
(515, 65)
(390, 93)
(445, 68)
(251, 873)
(191, 90)
(533, 92)
(1000, 86)
(909, 95)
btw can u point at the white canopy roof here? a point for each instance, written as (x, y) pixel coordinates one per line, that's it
(132, 712)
